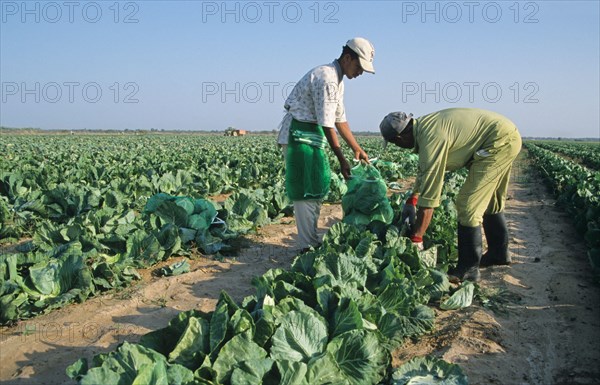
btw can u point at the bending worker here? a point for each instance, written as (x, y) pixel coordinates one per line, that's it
(315, 108)
(486, 143)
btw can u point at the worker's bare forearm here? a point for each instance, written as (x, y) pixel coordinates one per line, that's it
(333, 141)
(344, 130)
(424, 215)
(335, 147)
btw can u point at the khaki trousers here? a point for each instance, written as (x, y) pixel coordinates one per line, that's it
(486, 187)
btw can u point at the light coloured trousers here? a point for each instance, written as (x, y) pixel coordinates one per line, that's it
(486, 187)
(307, 218)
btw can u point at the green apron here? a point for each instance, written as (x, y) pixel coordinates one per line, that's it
(307, 173)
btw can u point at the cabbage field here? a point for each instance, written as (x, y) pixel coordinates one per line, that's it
(81, 214)
(575, 180)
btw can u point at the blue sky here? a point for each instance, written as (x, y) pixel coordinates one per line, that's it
(204, 65)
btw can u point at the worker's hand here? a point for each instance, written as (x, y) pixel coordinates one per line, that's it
(360, 154)
(418, 242)
(409, 212)
(345, 167)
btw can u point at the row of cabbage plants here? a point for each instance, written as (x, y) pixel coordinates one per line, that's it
(95, 208)
(577, 190)
(334, 317)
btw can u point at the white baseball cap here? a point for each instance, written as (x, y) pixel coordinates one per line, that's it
(365, 51)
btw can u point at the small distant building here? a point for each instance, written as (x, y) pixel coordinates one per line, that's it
(235, 132)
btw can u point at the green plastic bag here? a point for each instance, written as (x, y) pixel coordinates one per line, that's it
(366, 200)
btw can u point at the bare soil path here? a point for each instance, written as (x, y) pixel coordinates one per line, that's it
(549, 333)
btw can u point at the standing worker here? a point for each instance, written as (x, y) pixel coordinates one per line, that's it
(486, 143)
(315, 108)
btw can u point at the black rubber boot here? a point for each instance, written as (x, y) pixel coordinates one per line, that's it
(469, 255)
(496, 233)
